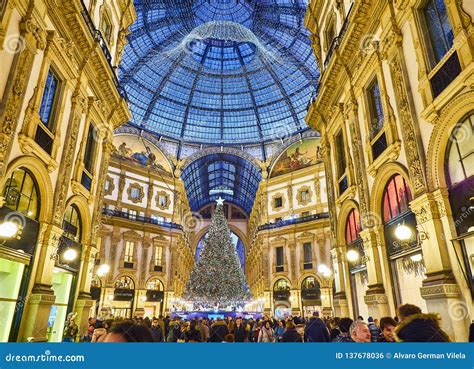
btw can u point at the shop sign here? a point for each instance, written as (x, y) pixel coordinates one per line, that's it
(123, 294)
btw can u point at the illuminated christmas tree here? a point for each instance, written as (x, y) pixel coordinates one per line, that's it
(217, 279)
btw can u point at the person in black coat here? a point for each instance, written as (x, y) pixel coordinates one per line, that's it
(166, 321)
(156, 331)
(193, 334)
(240, 332)
(315, 330)
(218, 331)
(418, 327)
(291, 335)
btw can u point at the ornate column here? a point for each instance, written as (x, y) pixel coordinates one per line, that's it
(293, 264)
(37, 309)
(79, 106)
(84, 301)
(440, 289)
(341, 306)
(31, 38)
(375, 297)
(326, 297)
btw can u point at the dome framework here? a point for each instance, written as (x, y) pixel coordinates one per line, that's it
(219, 71)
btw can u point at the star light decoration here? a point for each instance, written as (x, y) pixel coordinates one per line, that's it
(220, 201)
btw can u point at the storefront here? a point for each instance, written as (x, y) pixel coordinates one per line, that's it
(401, 241)
(96, 292)
(357, 264)
(310, 296)
(281, 299)
(124, 297)
(65, 273)
(154, 298)
(22, 207)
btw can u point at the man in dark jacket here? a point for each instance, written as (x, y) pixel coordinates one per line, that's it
(374, 330)
(418, 327)
(218, 331)
(291, 335)
(315, 330)
(344, 327)
(240, 332)
(156, 330)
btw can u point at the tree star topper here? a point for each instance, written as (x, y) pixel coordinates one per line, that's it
(220, 201)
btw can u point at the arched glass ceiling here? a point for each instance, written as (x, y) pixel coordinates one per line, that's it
(219, 71)
(221, 175)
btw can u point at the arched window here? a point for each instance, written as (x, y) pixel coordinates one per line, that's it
(440, 32)
(396, 198)
(310, 289)
(21, 194)
(353, 226)
(460, 153)
(125, 282)
(459, 168)
(72, 224)
(281, 285)
(155, 285)
(310, 283)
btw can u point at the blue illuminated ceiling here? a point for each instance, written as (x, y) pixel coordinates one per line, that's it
(221, 175)
(219, 71)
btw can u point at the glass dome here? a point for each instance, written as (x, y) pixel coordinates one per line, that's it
(219, 71)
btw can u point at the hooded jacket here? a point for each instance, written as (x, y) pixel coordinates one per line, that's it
(218, 331)
(316, 331)
(421, 328)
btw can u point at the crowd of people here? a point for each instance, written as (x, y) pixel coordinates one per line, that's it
(410, 325)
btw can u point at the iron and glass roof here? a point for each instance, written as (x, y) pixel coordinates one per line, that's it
(221, 175)
(219, 71)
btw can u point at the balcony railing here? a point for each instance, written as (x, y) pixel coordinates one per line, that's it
(99, 38)
(337, 40)
(284, 223)
(140, 219)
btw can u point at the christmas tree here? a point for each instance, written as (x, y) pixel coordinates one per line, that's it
(217, 279)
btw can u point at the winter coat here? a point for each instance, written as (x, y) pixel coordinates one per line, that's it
(71, 330)
(218, 331)
(343, 337)
(279, 332)
(291, 335)
(192, 336)
(421, 328)
(204, 330)
(99, 335)
(316, 331)
(374, 332)
(240, 333)
(157, 333)
(334, 333)
(174, 333)
(266, 335)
